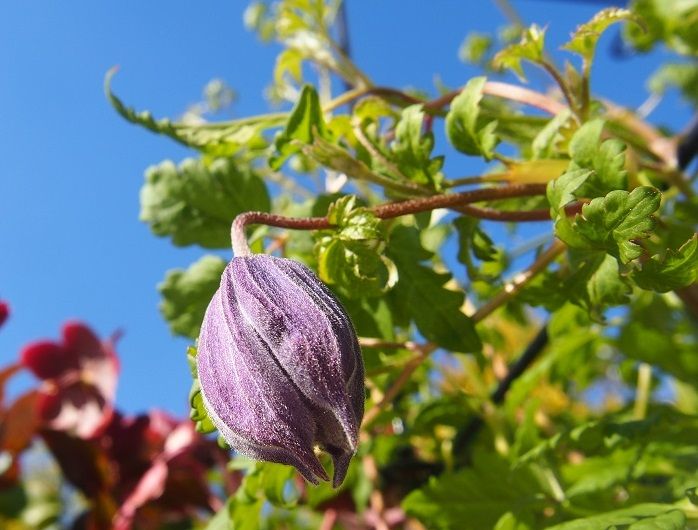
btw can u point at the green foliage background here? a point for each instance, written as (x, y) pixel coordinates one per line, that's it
(458, 435)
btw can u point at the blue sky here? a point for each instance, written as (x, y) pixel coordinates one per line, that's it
(71, 245)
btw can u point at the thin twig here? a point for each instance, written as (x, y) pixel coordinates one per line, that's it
(514, 286)
(403, 377)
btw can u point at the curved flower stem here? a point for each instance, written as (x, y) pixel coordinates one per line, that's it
(505, 91)
(383, 211)
(492, 88)
(514, 286)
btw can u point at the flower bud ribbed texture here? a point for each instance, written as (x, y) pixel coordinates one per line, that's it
(280, 366)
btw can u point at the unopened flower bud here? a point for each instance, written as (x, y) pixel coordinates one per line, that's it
(280, 366)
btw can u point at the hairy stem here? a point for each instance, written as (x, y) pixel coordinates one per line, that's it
(384, 211)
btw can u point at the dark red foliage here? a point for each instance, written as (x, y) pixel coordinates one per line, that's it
(135, 472)
(79, 377)
(4, 312)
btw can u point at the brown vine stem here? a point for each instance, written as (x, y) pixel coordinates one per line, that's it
(384, 211)
(423, 352)
(520, 280)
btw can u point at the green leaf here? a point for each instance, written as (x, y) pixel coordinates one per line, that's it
(474, 243)
(420, 292)
(676, 269)
(586, 36)
(195, 202)
(683, 76)
(672, 22)
(462, 127)
(305, 122)
(480, 495)
(529, 48)
(661, 335)
(187, 293)
(351, 257)
(613, 222)
(214, 138)
(339, 159)
(412, 149)
(639, 517)
(607, 160)
(596, 283)
(585, 142)
(560, 192)
(475, 48)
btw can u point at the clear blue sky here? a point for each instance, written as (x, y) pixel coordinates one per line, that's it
(71, 245)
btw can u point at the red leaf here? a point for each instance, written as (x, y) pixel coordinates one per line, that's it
(19, 424)
(47, 360)
(4, 312)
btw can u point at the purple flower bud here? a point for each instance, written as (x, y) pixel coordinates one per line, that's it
(280, 366)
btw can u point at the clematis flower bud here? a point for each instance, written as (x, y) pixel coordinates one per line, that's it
(280, 366)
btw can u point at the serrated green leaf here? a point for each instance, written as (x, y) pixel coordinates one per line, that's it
(529, 48)
(480, 495)
(305, 122)
(607, 160)
(187, 293)
(676, 269)
(462, 128)
(195, 202)
(586, 36)
(421, 293)
(354, 268)
(353, 223)
(638, 517)
(350, 257)
(412, 148)
(613, 222)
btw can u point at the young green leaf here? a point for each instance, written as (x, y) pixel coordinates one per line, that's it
(195, 202)
(586, 36)
(529, 48)
(186, 294)
(412, 149)
(305, 122)
(350, 257)
(676, 269)
(613, 223)
(462, 127)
